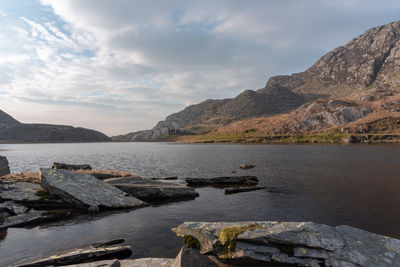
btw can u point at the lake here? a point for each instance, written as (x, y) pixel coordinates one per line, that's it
(357, 185)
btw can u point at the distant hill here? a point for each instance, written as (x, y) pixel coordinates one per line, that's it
(12, 130)
(370, 62)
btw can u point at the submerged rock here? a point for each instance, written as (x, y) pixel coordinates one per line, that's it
(150, 190)
(4, 168)
(234, 190)
(84, 190)
(299, 243)
(223, 181)
(63, 166)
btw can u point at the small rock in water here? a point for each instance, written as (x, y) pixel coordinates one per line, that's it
(222, 181)
(92, 210)
(247, 166)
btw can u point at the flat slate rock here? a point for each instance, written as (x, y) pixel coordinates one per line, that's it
(150, 190)
(84, 190)
(81, 255)
(20, 191)
(299, 243)
(222, 181)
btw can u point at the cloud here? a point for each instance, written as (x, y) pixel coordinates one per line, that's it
(120, 66)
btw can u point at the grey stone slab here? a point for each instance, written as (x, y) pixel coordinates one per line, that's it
(84, 190)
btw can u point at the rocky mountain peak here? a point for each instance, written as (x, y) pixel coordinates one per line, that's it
(359, 63)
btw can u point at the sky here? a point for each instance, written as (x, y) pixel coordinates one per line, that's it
(119, 66)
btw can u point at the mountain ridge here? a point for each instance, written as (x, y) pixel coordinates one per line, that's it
(369, 61)
(12, 130)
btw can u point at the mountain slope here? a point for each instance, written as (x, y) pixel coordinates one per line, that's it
(12, 130)
(370, 61)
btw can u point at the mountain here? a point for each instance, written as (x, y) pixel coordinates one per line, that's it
(369, 63)
(12, 130)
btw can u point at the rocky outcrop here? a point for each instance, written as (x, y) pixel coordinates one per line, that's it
(298, 243)
(152, 191)
(4, 168)
(84, 191)
(322, 114)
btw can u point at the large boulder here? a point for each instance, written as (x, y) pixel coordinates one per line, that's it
(84, 190)
(4, 168)
(299, 243)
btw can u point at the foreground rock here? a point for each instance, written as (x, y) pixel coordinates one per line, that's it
(223, 181)
(235, 190)
(63, 166)
(302, 243)
(4, 168)
(76, 256)
(84, 190)
(150, 190)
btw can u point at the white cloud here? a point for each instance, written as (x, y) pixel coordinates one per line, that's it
(123, 65)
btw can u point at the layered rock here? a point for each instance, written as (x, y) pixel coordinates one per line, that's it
(299, 243)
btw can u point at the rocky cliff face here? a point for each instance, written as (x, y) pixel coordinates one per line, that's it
(12, 130)
(370, 61)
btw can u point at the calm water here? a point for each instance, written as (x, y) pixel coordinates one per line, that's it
(331, 184)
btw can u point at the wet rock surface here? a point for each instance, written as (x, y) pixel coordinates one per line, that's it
(299, 243)
(84, 190)
(222, 181)
(150, 190)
